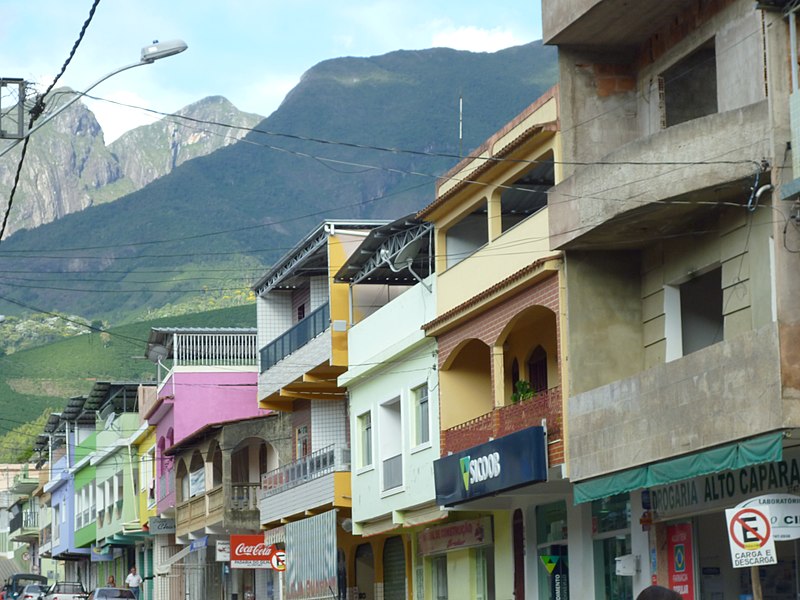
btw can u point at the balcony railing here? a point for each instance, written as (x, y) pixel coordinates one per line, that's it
(200, 511)
(30, 519)
(296, 337)
(46, 535)
(244, 496)
(316, 464)
(393, 472)
(507, 419)
(215, 349)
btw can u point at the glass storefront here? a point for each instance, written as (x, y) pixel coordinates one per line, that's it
(551, 544)
(611, 534)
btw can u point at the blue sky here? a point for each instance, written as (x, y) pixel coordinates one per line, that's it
(250, 51)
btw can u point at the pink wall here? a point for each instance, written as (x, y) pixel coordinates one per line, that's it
(200, 399)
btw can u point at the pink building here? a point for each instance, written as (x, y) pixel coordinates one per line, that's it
(206, 376)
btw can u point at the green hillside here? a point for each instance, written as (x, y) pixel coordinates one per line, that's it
(215, 222)
(36, 380)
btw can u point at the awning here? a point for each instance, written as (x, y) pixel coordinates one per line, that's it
(763, 449)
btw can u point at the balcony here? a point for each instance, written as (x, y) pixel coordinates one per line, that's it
(654, 200)
(25, 526)
(296, 337)
(720, 394)
(200, 512)
(319, 479)
(508, 419)
(244, 496)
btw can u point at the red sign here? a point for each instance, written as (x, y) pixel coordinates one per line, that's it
(680, 559)
(250, 552)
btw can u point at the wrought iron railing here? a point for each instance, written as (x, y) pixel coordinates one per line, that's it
(296, 337)
(316, 464)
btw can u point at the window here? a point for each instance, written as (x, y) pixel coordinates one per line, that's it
(56, 524)
(365, 439)
(611, 524)
(484, 573)
(422, 418)
(694, 318)
(301, 312)
(391, 449)
(688, 89)
(439, 577)
(527, 194)
(303, 446)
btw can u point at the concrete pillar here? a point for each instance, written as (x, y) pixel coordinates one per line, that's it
(494, 212)
(580, 547)
(640, 544)
(498, 379)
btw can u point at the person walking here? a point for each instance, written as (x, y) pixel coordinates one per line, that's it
(134, 582)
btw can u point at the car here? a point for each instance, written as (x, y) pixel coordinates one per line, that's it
(107, 592)
(66, 590)
(14, 585)
(33, 591)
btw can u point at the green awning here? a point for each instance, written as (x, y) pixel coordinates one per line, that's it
(763, 449)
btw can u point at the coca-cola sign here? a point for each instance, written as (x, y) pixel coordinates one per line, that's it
(250, 552)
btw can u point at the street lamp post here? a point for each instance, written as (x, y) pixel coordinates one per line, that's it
(150, 54)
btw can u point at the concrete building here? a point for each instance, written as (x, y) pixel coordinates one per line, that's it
(681, 272)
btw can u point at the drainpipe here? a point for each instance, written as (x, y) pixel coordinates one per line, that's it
(133, 481)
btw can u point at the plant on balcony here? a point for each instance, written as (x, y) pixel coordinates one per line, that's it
(522, 391)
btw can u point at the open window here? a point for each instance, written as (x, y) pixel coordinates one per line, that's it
(694, 318)
(688, 89)
(466, 236)
(527, 194)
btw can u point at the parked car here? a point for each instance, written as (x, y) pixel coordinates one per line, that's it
(106, 592)
(14, 584)
(34, 591)
(66, 590)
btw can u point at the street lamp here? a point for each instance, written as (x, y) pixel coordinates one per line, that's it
(150, 54)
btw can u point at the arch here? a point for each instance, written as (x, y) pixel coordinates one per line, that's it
(216, 467)
(249, 457)
(160, 462)
(182, 481)
(530, 339)
(469, 379)
(394, 569)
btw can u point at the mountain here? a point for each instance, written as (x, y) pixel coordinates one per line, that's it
(68, 167)
(215, 222)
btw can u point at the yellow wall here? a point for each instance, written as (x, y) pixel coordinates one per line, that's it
(340, 247)
(466, 386)
(145, 443)
(506, 252)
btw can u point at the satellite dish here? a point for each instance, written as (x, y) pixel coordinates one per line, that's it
(407, 254)
(2, 318)
(157, 353)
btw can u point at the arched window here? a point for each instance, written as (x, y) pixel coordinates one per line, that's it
(537, 369)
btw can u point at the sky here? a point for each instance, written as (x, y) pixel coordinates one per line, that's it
(250, 51)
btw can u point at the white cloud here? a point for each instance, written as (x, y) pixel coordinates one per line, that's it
(475, 39)
(116, 119)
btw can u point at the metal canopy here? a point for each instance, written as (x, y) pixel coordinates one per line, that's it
(382, 248)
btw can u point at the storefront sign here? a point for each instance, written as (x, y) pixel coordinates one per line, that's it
(250, 552)
(506, 463)
(159, 526)
(223, 553)
(750, 537)
(727, 488)
(680, 561)
(785, 511)
(201, 542)
(455, 536)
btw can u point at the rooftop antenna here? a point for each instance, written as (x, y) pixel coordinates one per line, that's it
(460, 124)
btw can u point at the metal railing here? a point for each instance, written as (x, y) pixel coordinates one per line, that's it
(328, 460)
(215, 349)
(393, 472)
(296, 337)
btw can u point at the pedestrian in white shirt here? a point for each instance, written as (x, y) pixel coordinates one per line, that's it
(134, 582)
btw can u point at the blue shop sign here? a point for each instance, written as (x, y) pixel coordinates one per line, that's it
(508, 462)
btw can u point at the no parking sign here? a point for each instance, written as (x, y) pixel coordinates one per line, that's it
(750, 537)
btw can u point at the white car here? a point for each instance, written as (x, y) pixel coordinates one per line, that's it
(66, 590)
